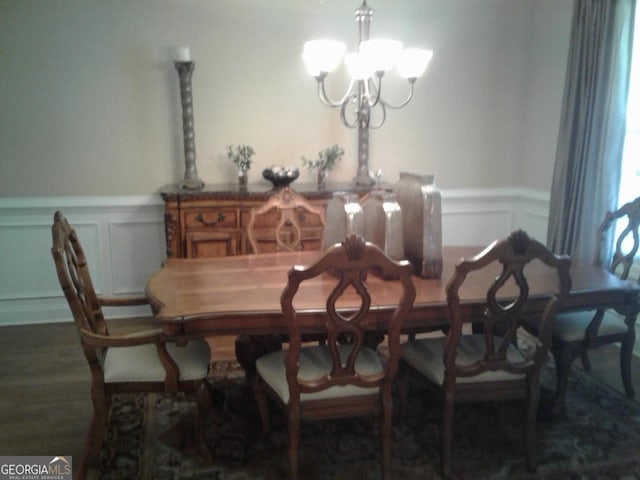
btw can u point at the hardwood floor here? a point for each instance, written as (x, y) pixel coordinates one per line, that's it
(44, 401)
(45, 406)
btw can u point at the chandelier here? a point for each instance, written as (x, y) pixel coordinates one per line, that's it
(367, 66)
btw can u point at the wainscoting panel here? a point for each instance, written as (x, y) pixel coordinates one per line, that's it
(138, 249)
(123, 238)
(533, 212)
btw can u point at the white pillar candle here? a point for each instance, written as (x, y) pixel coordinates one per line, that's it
(183, 54)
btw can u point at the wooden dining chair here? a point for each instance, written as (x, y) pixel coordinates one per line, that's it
(143, 361)
(491, 366)
(294, 212)
(574, 333)
(337, 379)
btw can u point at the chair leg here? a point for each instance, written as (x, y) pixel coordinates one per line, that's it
(385, 433)
(203, 402)
(584, 357)
(294, 440)
(564, 357)
(260, 397)
(530, 426)
(626, 355)
(101, 404)
(445, 440)
(401, 384)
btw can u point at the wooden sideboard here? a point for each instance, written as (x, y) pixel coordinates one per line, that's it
(212, 222)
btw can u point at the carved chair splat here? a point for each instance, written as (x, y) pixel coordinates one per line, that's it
(290, 207)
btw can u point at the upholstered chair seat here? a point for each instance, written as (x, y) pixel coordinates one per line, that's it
(140, 363)
(425, 355)
(572, 327)
(315, 362)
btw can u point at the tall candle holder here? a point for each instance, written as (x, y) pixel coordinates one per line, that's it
(190, 180)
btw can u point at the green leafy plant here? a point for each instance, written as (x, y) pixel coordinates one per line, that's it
(326, 160)
(240, 155)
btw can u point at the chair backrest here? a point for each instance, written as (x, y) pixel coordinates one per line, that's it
(506, 309)
(291, 208)
(347, 265)
(75, 279)
(625, 239)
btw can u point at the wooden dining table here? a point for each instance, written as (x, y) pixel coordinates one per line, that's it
(240, 295)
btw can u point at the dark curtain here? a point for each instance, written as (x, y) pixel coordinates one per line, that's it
(586, 176)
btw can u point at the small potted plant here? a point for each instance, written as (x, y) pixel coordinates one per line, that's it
(326, 160)
(241, 156)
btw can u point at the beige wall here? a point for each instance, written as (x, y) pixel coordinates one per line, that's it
(546, 69)
(89, 97)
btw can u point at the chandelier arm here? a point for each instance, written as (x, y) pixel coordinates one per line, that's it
(382, 120)
(343, 112)
(376, 89)
(405, 102)
(324, 98)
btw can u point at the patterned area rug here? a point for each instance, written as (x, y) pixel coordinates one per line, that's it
(598, 438)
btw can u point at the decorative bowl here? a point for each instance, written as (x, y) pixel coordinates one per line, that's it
(280, 176)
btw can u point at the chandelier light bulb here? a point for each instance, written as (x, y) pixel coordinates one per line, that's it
(322, 56)
(358, 66)
(413, 62)
(381, 54)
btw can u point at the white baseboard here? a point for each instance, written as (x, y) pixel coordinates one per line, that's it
(123, 238)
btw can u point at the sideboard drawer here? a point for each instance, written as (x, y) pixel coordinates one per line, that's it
(212, 218)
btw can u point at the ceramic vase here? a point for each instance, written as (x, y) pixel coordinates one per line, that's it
(344, 216)
(383, 223)
(421, 204)
(323, 174)
(243, 177)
